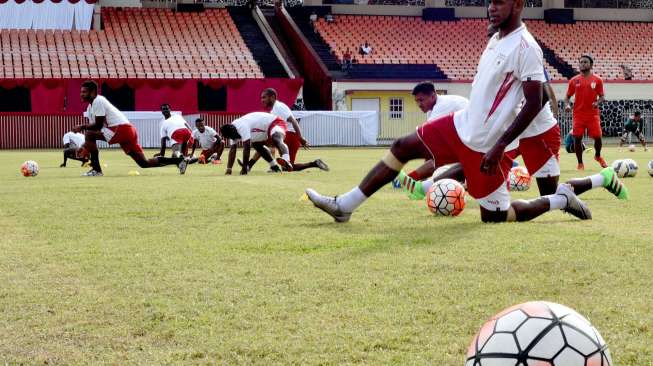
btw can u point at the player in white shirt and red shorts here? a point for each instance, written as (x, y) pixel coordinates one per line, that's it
(72, 143)
(255, 130)
(210, 142)
(174, 128)
(108, 124)
(510, 70)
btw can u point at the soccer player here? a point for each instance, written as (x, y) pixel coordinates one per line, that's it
(294, 139)
(107, 123)
(72, 142)
(254, 129)
(175, 129)
(209, 140)
(635, 125)
(509, 71)
(588, 89)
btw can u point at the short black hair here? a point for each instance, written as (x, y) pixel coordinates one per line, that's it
(637, 113)
(589, 57)
(165, 105)
(424, 88)
(199, 120)
(270, 92)
(90, 85)
(229, 131)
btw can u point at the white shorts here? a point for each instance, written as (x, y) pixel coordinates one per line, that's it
(260, 136)
(550, 169)
(498, 200)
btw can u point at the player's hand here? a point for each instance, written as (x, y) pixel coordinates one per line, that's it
(304, 143)
(243, 171)
(227, 171)
(595, 105)
(491, 160)
(567, 108)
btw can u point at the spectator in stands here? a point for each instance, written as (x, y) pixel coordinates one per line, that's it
(313, 19)
(628, 72)
(365, 49)
(346, 60)
(329, 18)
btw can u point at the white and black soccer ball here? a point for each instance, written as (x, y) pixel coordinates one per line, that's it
(29, 168)
(439, 170)
(446, 197)
(631, 148)
(632, 167)
(650, 168)
(620, 167)
(538, 333)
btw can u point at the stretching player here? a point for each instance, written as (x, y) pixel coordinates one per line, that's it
(254, 129)
(210, 141)
(72, 142)
(588, 89)
(294, 139)
(634, 125)
(175, 129)
(107, 123)
(479, 135)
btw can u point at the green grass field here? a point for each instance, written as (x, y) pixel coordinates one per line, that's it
(207, 269)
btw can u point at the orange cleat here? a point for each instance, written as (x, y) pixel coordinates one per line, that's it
(601, 161)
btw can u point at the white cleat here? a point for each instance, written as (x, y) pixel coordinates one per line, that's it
(183, 165)
(322, 165)
(328, 205)
(92, 173)
(574, 206)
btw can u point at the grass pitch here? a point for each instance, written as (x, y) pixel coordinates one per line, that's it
(207, 269)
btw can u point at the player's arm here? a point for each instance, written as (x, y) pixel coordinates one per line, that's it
(246, 149)
(298, 130)
(599, 91)
(192, 153)
(533, 96)
(95, 125)
(163, 147)
(232, 158)
(571, 90)
(551, 96)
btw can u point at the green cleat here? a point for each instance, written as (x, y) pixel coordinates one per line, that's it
(613, 184)
(412, 187)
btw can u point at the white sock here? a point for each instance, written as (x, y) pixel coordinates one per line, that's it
(556, 201)
(272, 163)
(427, 184)
(285, 157)
(350, 201)
(597, 180)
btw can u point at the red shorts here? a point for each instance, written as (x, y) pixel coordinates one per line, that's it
(292, 140)
(183, 135)
(277, 123)
(441, 139)
(127, 137)
(538, 150)
(590, 123)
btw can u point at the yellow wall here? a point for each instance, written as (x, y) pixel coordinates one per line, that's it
(384, 96)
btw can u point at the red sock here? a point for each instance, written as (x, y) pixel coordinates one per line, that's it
(414, 174)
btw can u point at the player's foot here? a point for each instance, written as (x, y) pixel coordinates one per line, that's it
(412, 187)
(183, 164)
(216, 161)
(322, 165)
(613, 184)
(285, 164)
(601, 161)
(64, 165)
(92, 173)
(274, 169)
(202, 159)
(328, 205)
(645, 148)
(580, 167)
(240, 162)
(574, 205)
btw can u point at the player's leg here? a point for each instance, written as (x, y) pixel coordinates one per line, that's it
(423, 171)
(642, 140)
(541, 155)
(218, 149)
(594, 131)
(577, 131)
(264, 152)
(623, 138)
(416, 190)
(277, 140)
(606, 178)
(91, 150)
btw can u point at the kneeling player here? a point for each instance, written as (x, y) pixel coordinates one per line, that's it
(254, 129)
(108, 124)
(209, 140)
(634, 125)
(175, 129)
(72, 142)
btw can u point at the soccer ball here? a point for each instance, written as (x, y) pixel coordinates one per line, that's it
(440, 170)
(650, 168)
(520, 179)
(446, 197)
(632, 167)
(538, 333)
(631, 148)
(29, 168)
(620, 167)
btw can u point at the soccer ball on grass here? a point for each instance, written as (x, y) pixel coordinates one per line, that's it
(29, 168)
(446, 197)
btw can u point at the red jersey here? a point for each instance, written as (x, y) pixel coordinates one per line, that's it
(587, 91)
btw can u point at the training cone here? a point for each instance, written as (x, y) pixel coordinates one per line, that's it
(133, 172)
(304, 197)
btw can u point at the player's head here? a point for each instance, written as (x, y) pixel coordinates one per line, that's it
(165, 109)
(268, 97)
(199, 123)
(637, 115)
(585, 63)
(88, 91)
(425, 96)
(505, 13)
(229, 131)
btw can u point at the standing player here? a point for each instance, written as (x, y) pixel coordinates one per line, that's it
(175, 129)
(209, 140)
(107, 123)
(635, 125)
(479, 135)
(253, 130)
(294, 139)
(588, 89)
(72, 142)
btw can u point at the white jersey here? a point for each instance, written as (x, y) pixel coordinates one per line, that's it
(497, 89)
(281, 110)
(75, 138)
(170, 125)
(543, 122)
(446, 104)
(253, 124)
(206, 138)
(101, 107)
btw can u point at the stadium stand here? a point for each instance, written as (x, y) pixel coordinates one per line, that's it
(135, 43)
